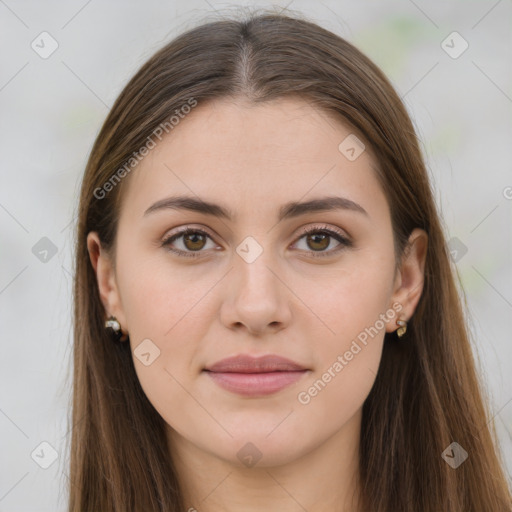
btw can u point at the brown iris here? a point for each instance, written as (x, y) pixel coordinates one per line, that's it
(319, 238)
(194, 239)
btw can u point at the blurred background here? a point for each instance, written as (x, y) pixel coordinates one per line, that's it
(62, 66)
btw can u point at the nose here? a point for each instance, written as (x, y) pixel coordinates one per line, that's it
(257, 299)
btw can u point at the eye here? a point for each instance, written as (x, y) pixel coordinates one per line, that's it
(318, 239)
(194, 240)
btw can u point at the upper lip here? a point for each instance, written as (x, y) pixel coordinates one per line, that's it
(245, 363)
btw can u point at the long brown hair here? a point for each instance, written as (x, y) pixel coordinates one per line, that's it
(427, 393)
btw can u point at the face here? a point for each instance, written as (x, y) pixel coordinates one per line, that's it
(315, 286)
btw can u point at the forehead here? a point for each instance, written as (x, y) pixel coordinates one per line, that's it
(253, 155)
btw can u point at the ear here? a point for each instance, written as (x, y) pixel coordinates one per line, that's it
(410, 277)
(105, 275)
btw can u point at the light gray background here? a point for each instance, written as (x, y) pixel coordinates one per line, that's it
(51, 110)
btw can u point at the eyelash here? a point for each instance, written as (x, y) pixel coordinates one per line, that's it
(337, 235)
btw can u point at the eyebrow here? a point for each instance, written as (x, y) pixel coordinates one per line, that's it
(287, 211)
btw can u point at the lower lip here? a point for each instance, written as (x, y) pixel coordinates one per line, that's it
(255, 384)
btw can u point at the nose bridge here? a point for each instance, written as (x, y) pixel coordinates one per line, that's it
(259, 298)
(255, 281)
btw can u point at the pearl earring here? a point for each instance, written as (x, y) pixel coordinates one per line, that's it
(112, 324)
(402, 327)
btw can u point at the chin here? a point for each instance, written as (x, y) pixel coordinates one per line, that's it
(257, 449)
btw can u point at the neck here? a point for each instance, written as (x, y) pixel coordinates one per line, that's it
(323, 479)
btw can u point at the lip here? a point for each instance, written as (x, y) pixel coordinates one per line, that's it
(244, 363)
(255, 376)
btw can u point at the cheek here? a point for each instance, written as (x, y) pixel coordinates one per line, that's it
(157, 297)
(355, 307)
(354, 298)
(165, 320)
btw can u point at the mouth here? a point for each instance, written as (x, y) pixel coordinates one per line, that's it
(246, 375)
(260, 383)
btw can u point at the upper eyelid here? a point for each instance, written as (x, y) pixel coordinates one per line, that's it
(183, 230)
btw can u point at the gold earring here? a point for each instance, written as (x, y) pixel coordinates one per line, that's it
(112, 324)
(402, 327)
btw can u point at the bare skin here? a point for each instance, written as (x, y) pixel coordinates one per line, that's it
(252, 160)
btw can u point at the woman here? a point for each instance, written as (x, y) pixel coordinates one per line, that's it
(265, 313)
